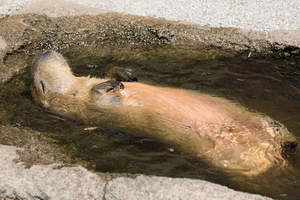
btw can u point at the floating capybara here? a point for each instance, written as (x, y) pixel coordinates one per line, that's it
(213, 129)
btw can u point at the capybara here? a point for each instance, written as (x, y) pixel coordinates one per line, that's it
(215, 130)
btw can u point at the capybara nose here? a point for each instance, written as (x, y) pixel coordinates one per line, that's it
(289, 147)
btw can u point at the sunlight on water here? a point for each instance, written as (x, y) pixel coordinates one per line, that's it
(267, 86)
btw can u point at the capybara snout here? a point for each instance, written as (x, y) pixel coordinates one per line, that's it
(289, 147)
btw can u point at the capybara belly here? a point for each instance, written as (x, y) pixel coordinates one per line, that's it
(213, 129)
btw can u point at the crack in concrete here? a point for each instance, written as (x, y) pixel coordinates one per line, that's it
(107, 180)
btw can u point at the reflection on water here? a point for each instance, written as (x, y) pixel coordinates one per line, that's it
(271, 87)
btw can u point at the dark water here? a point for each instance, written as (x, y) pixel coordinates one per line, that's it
(263, 85)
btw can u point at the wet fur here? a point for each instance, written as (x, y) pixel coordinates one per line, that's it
(213, 129)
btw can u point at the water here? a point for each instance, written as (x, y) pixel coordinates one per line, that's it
(262, 85)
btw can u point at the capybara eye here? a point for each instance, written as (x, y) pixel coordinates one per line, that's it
(42, 87)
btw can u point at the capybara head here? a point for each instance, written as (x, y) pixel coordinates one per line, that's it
(50, 74)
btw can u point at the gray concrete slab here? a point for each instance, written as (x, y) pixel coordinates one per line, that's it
(255, 15)
(45, 181)
(54, 8)
(156, 188)
(76, 183)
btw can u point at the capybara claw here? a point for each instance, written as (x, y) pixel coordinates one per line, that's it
(121, 74)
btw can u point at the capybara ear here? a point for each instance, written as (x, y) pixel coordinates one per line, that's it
(121, 74)
(107, 86)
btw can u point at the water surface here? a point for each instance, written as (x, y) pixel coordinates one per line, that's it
(262, 85)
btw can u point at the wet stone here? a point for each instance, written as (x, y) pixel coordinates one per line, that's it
(160, 52)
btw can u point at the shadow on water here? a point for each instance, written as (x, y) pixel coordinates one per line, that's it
(267, 86)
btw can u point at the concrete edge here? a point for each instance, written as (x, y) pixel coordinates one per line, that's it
(287, 41)
(56, 181)
(255, 15)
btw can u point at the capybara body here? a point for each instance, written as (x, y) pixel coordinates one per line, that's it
(213, 129)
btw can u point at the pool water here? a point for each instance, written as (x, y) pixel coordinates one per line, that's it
(265, 85)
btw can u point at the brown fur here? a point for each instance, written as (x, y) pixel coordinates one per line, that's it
(213, 129)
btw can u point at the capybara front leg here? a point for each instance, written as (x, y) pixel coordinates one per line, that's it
(121, 74)
(107, 93)
(108, 86)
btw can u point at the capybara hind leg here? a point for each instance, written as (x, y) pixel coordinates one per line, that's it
(121, 74)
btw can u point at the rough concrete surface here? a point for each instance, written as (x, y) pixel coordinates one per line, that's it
(25, 33)
(45, 182)
(154, 188)
(30, 33)
(275, 22)
(256, 14)
(54, 8)
(59, 182)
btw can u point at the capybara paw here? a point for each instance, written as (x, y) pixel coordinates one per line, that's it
(108, 86)
(121, 74)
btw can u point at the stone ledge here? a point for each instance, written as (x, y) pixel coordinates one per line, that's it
(56, 181)
(31, 33)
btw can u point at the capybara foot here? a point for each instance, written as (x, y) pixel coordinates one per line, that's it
(121, 74)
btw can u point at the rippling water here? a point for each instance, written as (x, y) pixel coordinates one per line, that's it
(263, 85)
